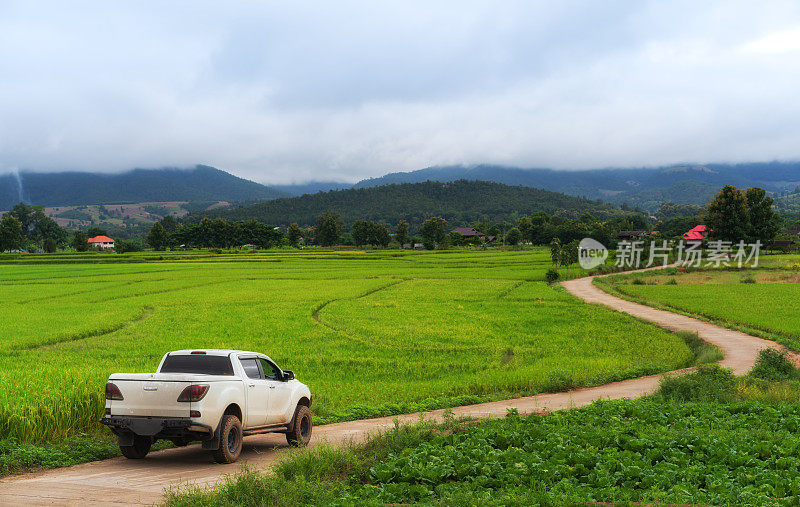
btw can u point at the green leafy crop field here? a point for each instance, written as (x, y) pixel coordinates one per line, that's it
(372, 333)
(611, 451)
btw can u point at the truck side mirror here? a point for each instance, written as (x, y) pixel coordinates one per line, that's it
(288, 375)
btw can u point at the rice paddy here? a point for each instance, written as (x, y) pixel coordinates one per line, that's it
(764, 302)
(372, 333)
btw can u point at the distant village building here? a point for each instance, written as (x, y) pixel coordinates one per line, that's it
(469, 232)
(629, 235)
(697, 233)
(101, 241)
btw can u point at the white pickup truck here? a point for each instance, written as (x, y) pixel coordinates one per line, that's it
(214, 396)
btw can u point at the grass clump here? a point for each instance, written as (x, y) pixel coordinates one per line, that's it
(773, 364)
(748, 278)
(17, 457)
(704, 352)
(709, 383)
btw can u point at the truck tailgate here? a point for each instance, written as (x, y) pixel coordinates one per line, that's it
(151, 398)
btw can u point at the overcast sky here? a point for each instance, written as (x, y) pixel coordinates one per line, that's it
(286, 92)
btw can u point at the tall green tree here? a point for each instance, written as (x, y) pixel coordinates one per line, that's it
(329, 228)
(764, 222)
(360, 232)
(157, 237)
(370, 233)
(24, 215)
(379, 235)
(11, 237)
(293, 234)
(513, 236)
(169, 224)
(401, 232)
(79, 241)
(727, 215)
(525, 226)
(555, 250)
(49, 245)
(36, 225)
(433, 232)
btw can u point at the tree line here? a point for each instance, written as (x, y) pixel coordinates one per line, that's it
(733, 215)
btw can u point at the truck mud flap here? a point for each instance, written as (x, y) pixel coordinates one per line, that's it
(212, 444)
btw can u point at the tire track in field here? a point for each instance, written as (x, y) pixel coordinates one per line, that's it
(146, 312)
(315, 312)
(509, 290)
(159, 291)
(112, 285)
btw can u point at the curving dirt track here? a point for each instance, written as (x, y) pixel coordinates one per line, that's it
(121, 481)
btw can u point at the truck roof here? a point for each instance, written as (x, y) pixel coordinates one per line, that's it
(216, 352)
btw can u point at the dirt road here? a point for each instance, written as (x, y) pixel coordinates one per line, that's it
(122, 481)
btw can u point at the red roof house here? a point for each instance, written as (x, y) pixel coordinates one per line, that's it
(101, 241)
(697, 233)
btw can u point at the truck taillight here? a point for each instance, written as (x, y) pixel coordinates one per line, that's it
(193, 393)
(113, 392)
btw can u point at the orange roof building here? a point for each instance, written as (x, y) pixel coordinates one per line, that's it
(101, 241)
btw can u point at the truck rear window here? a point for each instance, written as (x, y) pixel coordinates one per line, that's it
(200, 364)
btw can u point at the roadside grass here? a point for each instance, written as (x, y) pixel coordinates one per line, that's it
(703, 438)
(20, 457)
(766, 307)
(703, 352)
(317, 476)
(421, 330)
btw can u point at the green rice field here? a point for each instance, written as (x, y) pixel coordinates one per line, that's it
(372, 333)
(765, 302)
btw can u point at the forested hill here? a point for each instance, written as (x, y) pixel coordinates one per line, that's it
(457, 202)
(201, 183)
(647, 188)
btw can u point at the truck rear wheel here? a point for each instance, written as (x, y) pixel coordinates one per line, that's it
(230, 440)
(301, 427)
(139, 449)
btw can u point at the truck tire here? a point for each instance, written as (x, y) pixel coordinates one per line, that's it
(300, 433)
(230, 440)
(139, 449)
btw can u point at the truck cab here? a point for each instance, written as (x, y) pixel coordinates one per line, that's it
(213, 396)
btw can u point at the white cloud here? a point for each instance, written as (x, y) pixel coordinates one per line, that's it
(283, 92)
(778, 42)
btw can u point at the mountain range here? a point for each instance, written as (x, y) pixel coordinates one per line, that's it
(643, 187)
(200, 183)
(646, 188)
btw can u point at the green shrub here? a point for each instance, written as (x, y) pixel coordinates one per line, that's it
(709, 383)
(773, 364)
(551, 276)
(704, 352)
(748, 279)
(672, 281)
